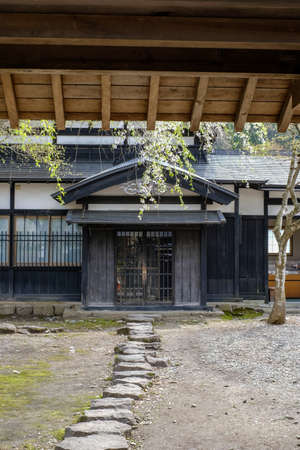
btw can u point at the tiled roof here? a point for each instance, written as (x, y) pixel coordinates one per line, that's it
(219, 168)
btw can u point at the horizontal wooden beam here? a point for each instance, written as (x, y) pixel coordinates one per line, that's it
(156, 61)
(109, 30)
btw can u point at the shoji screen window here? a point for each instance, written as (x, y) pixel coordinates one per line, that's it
(4, 241)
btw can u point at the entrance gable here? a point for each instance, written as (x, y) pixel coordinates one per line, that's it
(133, 170)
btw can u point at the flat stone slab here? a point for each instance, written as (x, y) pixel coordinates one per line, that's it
(144, 338)
(125, 366)
(98, 427)
(142, 382)
(157, 362)
(124, 391)
(140, 319)
(131, 351)
(6, 328)
(121, 415)
(131, 358)
(111, 403)
(134, 373)
(94, 442)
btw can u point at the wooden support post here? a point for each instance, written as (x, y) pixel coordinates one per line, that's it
(236, 285)
(266, 245)
(58, 100)
(199, 103)
(203, 265)
(11, 240)
(105, 101)
(245, 104)
(153, 102)
(10, 100)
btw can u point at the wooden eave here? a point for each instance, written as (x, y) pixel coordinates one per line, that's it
(150, 61)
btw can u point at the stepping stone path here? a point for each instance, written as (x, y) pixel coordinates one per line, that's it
(109, 421)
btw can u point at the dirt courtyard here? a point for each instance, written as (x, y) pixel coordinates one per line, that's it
(232, 385)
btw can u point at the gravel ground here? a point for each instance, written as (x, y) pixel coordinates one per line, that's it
(231, 385)
(74, 367)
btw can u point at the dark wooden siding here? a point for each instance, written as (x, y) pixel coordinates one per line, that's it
(187, 275)
(252, 263)
(47, 282)
(4, 281)
(220, 259)
(99, 285)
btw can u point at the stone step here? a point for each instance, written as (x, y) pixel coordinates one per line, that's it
(142, 382)
(134, 373)
(98, 427)
(121, 415)
(127, 366)
(124, 391)
(131, 358)
(94, 442)
(111, 403)
(144, 338)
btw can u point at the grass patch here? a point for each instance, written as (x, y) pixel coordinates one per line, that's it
(81, 325)
(242, 314)
(15, 386)
(59, 434)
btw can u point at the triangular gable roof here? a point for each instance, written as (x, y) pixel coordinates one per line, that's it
(134, 169)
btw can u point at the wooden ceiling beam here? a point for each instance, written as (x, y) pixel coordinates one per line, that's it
(153, 102)
(105, 101)
(10, 100)
(137, 31)
(58, 100)
(199, 103)
(245, 104)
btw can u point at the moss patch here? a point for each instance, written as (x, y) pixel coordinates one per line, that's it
(82, 325)
(242, 314)
(16, 382)
(59, 434)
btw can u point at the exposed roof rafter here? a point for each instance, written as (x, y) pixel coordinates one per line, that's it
(10, 100)
(105, 101)
(245, 104)
(199, 103)
(58, 100)
(153, 101)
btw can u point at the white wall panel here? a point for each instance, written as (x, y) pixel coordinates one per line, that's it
(38, 196)
(4, 196)
(273, 210)
(251, 202)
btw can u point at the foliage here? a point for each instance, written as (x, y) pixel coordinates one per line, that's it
(253, 135)
(33, 142)
(164, 153)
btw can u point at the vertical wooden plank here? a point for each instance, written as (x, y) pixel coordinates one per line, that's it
(58, 100)
(245, 104)
(203, 266)
(105, 101)
(187, 268)
(10, 100)
(199, 103)
(153, 101)
(266, 245)
(236, 282)
(84, 265)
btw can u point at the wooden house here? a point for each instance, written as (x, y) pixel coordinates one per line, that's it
(94, 248)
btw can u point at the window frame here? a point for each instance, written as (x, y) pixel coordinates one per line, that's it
(49, 262)
(7, 262)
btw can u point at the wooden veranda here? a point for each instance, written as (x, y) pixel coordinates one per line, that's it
(220, 60)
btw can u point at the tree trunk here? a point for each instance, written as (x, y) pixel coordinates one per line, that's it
(278, 314)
